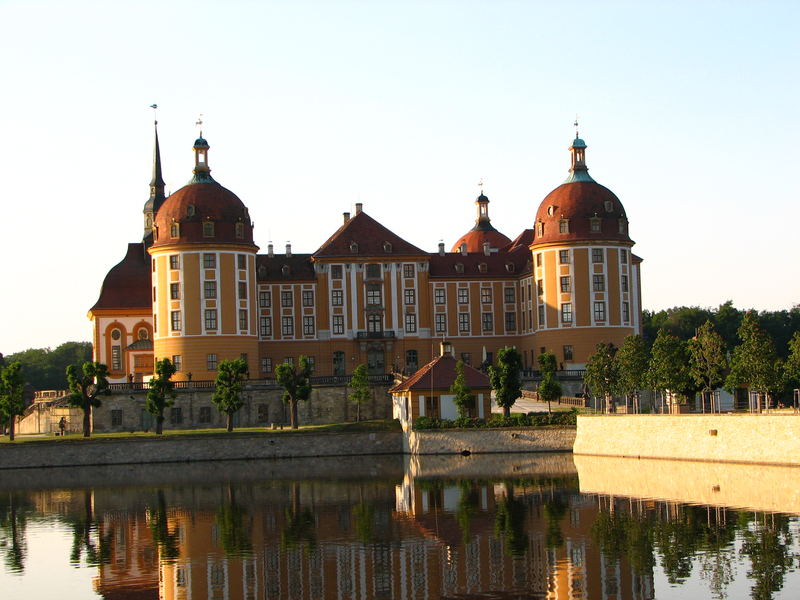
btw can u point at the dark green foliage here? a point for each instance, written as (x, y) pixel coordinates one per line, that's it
(468, 506)
(792, 366)
(364, 517)
(168, 542)
(85, 387)
(161, 394)
(549, 388)
(234, 531)
(602, 373)
(15, 509)
(554, 510)
(563, 419)
(505, 378)
(12, 387)
(359, 386)
(231, 375)
(708, 362)
(296, 382)
(509, 522)
(768, 546)
(44, 368)
(632, 360)
(87, 541)
(669, 366)
(299, 530)
(755, 363)
(463, 395)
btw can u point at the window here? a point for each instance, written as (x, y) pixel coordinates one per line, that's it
(563, 256)
(539, 288)
(598, 283)
(209, 261)
(597, 255)
(143, 334)
(463, 295)
(408, 271)
(373, 271)
(541, 228)
(440, 320)
(621, 226)
(308, 325)
(541, 316)
(116, 358)
(265, 326)
(174, 291)
(338, 324)
(482, 267)
(594, 225)
(116, 418)
(264, 299)
(242, 290)
(242, 318)
(211, 318)
(486, 322)
(210, 289)
(432, 407)
(410, 296)
(175, 415)
(287, 326)
(566, 312)
(354, 247)
(338, 363)
(412, 361)
(624, 283)
(486, 295)
(411, 323)
(239, 230)
(308, 297)
(263, 413)
(438, 296)
(337, 297)
(459, 267)
(211, 362)
(511, 321)
(563, 226)
(565, 284)
(463, 322)
(626, 312)
(599, 311)
(538, 259)
(286, 298)
(174, 230)
(609, 205)
(387, 247)
(177, 362)
(467, 358)
(174, 261)
(373, 295)
(208, 229)
(508, 295)
(266, 365)
(204, 416)
(374, 323)
(175, 320)
(336, 271)
(567, 352)
(623, 256)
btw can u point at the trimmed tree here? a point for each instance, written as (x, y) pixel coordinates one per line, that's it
(707, 360)
(359, 384)
(231, 375)
(461, 392)
(296, 382)
(161, 394)
(549, 389)
(12, 387)
(602, 374)
(505, 379)
(669, 365)
(632, 362)
(86, 386)
(791, 367)
(754, 364)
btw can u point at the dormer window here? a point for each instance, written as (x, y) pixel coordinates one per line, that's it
(174, 230)
(208, 229)
(459, 267)
(563, 226)
(482, 267)
(190, 210)
(541, 228)
(510, 267)
(285, 270)
(387, 247)
(239, 230)
(594, 224)
(354, 247)
(609, 205)
(551, 210)
(622, 225)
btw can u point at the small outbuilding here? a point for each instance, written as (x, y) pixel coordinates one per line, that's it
(426, 393)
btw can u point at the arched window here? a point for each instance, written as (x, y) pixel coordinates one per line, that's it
(174, 230)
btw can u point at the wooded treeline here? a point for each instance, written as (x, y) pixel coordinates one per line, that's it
(45, 369)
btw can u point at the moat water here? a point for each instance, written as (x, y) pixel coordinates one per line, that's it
(523, 526)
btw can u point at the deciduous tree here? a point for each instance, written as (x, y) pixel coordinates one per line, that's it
(669, 365)
(505, 379)
(231, 375)
(12, 387)
(602, 374)
(632, 362)
(707, 359)
(549, 388)
(755, 363)
(359, 386)
(296, 382)
(161, 394)
(792, 366)
(85, 387)
(461, 391)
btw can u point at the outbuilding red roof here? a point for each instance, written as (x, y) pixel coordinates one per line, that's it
(363, 236)
(439, 374)
(127, 284)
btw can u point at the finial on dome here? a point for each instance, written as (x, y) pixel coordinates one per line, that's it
(577, 135)
(199, 124)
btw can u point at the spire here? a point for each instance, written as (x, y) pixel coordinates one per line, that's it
(578, 170)
(202, 172)
(157, 196)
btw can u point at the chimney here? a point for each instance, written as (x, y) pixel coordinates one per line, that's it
(346, 216)
(441, 248)
(359, 206)
(270, 250)
(486, 249)
(446, 348)
(288, 250)
(463, 249)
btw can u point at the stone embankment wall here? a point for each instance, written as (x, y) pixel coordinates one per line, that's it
(765, 439)
(479, 441)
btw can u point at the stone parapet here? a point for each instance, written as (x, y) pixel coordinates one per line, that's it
(479, 441)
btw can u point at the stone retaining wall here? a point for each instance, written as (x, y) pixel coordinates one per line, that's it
(478, 441)
(765, 439)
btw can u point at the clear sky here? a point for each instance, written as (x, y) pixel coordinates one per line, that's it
(689, 109)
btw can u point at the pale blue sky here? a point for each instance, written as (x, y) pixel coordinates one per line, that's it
(690, 111)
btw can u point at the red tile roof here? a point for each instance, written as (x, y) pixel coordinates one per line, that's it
(498, 264)
(127, 284)
(475, 238)
(271, 268)
(439, 374)
(370, 238)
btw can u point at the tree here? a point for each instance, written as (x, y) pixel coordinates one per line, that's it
(549, 388)
(463, 394)
(12, 387)
(45, 369)
(505, 379)
(228, 385)
(707, 360)
(296, 382)
(632, 361)
(161, 394)
(754, 364)
(791, 367)
(86, 386)
(359, 384)
(602, 374)
(669, 365)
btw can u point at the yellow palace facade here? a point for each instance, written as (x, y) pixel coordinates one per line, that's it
(197, 290)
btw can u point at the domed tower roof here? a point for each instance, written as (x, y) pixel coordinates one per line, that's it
(483, 231)
(580, 209)
(202, 211)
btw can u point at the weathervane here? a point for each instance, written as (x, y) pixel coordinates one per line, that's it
(480, 185)
(155, 115)
(199, 123)
(576, 127)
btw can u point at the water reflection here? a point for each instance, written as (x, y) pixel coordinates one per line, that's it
(451, 527)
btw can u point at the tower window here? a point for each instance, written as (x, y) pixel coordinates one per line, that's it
(565, 284)
(541, 228)
(609, 206)
(623, 255)
(563, 257)
(411, 323)
(563, 226)
(174, 230)
(175, 320)
(598, 283)
(190, 210)
(243, 319)
(211, 318)
(208, 229)
(599, 311)
(626, 312)
(594, 225)
(622, 225)
(624, 282)
(566, 312)
(115, 335)
(597, 255)
(209, 261)
(210, 290)
(211, 362)
(174, 261)
(242, 290)
(174, 291)
(239, 230)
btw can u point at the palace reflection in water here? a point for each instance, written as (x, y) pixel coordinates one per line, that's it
(517, 525)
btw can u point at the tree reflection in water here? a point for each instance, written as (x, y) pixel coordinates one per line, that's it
(510, 522)
(234, 532)
(767, 540)
(88, 540)
(14, 511)
(166, 540)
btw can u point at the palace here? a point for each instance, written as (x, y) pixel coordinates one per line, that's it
(196, 290)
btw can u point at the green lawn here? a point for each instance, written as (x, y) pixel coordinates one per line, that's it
(349, 427)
